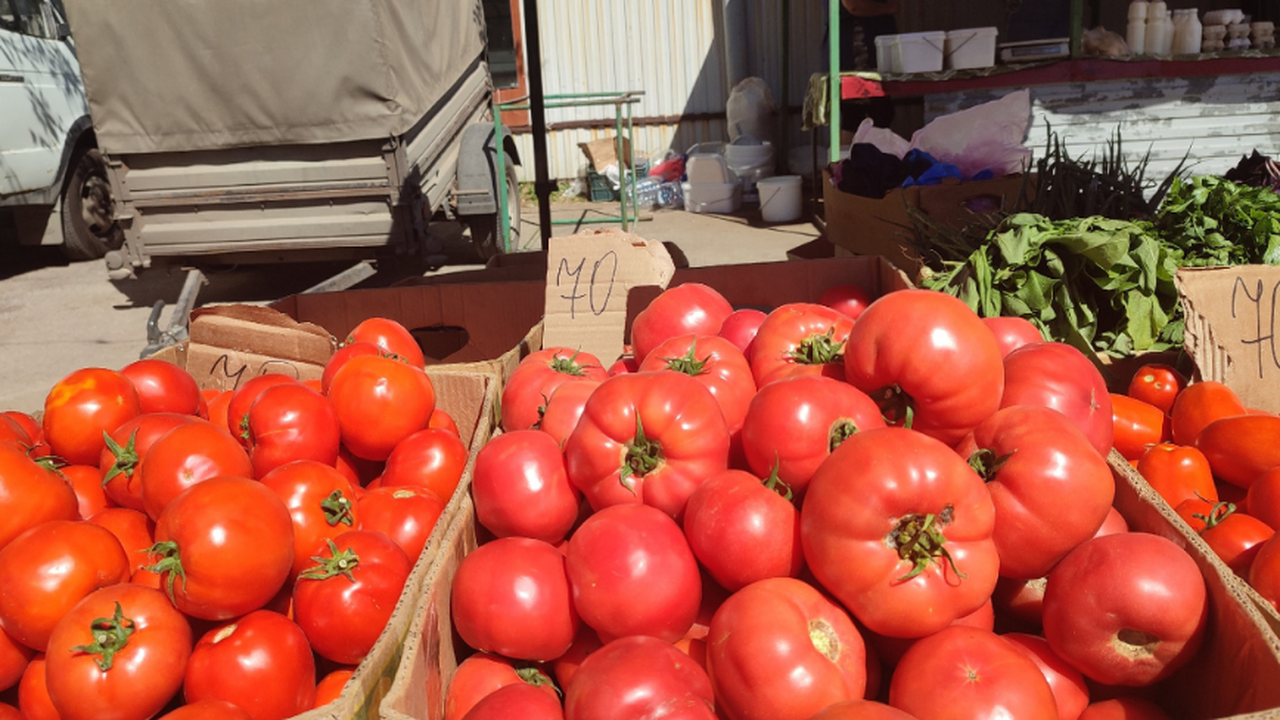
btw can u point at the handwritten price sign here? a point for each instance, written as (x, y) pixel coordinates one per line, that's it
(1231, 316)
(588, 277)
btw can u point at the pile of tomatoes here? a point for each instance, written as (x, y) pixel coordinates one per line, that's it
(842, 509)
(214, 555)
(1215, 461)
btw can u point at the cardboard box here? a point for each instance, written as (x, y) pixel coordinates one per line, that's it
(870, 226)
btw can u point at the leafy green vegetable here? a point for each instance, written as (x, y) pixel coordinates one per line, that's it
(1218, 222)
(1098, 283)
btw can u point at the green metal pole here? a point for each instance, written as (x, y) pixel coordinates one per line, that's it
(500, 159)
(784, 137)
(1077, 27)
(833, 80)
(622, 164)
(631, 153)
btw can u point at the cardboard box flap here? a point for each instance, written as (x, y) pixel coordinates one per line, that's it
(230, 344)
(588, 277)
(1230, 331)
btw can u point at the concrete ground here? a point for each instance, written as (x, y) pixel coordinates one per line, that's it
(57, 316)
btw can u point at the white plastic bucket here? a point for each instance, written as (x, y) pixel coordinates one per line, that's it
(780, 198)
(920, 52)
(712, 197)
(971, 48)
(886, 50)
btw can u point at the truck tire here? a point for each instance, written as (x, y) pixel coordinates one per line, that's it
(484, 228)
(88, 227)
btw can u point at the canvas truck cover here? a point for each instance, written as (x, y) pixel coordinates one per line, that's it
(180, 75)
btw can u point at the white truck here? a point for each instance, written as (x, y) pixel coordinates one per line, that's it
(243, 131)
(53, 183)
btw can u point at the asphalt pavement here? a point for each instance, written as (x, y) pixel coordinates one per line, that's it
(58, 316)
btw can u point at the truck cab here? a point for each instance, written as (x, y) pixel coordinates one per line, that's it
(53, 183)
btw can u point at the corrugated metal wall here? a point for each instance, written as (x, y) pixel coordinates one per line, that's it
(673, 50)
(1215, 120)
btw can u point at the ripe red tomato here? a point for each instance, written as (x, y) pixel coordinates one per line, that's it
(800, 339)
(84, 405)
(330, 686)
(1068, 685)
(244, 397)
(407, 515)
(742, 530)
(741, 327)
(1263, 498)
(1013, 332)
(261, 663)
(431, 459)
(1241, 448)
(1126, 609)
(1113, 525)
(1137, 426)
(779, 648)
(1058, 376)
(890, 650)
(135, 531)
(48, 569)
(187, 456)
(340, 358)
(218, 407)
(208, 710)
(125, 448)
(1158, 385)
(21, 428)
(118, 655)
(538, 376)
(969, 672)
(1264, 573)
(691, 308)
(482, 674)
(897, 352)
(291, 422)
(391, 336)
(793, 425)
(380, 402)
(163, 387)
(33, 692)
(86, 482)
(1235, 537)
(899, 528)
(1178, 473)
(639, 677)
(344, 601)
(1036, 462)
(1124, 708)
(320, 501)
(512, 597)
(1200, 404)
(564, 409)
(224, 548)
(441, 420)
(851, 300)
(30, 494)
(518, 700)
(632, 573)
(861, 710)
(14, 657)
(647, 438)
(714, 362)
(520, 487)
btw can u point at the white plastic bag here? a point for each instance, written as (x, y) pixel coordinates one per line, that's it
(750, 109)
(886, 140)
(986, 137)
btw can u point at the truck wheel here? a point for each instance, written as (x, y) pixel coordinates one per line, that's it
(484, 228)
(88, 227)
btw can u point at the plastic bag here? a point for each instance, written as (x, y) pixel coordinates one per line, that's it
(885, 140)
(986, 137)
(750, 109)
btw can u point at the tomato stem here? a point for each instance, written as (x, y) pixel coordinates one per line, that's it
(919, 539)
(818, 349)
(337, 509)
(126, 458)
(689, 364)
(896, 406)
(568, 366)
(777, 484)
(986, 463)
(537, 678)
(338, 562)
(170, 561)
(841, 430)
(1219, 512)
(110, 636)
(643, 456)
